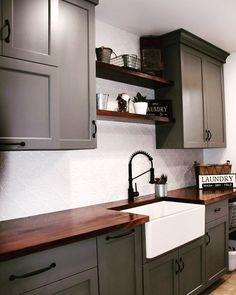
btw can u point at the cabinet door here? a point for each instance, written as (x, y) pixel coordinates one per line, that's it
(214, 93)
(192, 267)
(120, 263)
(216, 249)
(160, 276)
(77, 74)
(1, 36)
(29, 30)
(84, 283)
(28, 105)
(193, 99)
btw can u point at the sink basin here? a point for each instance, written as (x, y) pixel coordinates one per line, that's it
(171, 225)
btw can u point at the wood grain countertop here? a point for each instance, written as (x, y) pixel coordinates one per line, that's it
(31, 234)
(206, 197)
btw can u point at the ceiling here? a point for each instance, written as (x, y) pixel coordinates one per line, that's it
(212, 20)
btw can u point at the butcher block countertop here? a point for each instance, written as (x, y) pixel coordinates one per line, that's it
(36, 233)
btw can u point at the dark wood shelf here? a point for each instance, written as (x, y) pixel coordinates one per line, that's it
(132, 118)
(129, 76)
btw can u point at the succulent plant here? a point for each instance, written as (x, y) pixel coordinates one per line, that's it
(139, 98)
(161, 180)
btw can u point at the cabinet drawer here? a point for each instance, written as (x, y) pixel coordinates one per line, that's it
(216, 210)
(35, 270)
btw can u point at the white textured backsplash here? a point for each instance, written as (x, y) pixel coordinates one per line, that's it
(39, 182)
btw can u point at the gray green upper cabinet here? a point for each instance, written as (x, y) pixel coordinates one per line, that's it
(28, 105)
(196, 67)
(77, 74)
(47, 75)
(29, 30)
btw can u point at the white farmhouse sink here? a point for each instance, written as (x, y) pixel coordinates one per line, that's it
(171, 224)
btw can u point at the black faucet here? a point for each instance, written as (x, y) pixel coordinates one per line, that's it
(131, 192)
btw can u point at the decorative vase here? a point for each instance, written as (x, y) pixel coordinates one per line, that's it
(140, 108)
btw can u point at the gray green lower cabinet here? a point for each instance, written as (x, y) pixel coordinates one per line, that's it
(181, 271)
(216, 249)
(65, 270)
(84, 283)
(115, 264)
(160, 275)
(120, 262)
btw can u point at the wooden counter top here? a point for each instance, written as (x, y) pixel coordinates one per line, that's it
(31, 234)
(27, 235)
(194, 195)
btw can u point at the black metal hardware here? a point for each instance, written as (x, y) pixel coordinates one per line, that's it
(136, 193)
(131, 193)
(178, 266)
(207, 135)
(209, 239)
(120, 236)
(7, 25)
(182, 262)
(33, 273)
(95, 130)
(217, 209)
(22, 143)
(210, 135)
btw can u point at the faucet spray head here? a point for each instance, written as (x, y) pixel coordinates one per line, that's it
(152, 176)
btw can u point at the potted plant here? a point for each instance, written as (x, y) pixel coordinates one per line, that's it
(140, 104)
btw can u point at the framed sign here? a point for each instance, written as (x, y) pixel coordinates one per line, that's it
(217, 181)
(151, 55)
(160, 107)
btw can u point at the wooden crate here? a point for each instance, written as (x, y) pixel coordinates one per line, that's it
(208, 169)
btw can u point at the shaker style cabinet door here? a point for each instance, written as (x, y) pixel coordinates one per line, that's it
(28, 30)
(160, 276)
(192, 267)
(0, 28)
(216, 249)
(84, 283)
(214, 92)
(76, 31)
(120, 262)
(193, 99)
(28, 105)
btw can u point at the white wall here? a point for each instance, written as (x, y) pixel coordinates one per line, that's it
(39, 182)
(221, 155)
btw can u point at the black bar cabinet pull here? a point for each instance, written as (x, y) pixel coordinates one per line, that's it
(22, 143)
(217, 209)
(7, 24)
(207, 135)
(210, 135)
(208, 239)
(182, 262)
(95, 130)
(178, 266)
(33, 273)
(120, 236)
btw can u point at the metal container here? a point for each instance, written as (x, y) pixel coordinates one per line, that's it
(130, 60)
(161, 190)
(104, 54)
(101, 100)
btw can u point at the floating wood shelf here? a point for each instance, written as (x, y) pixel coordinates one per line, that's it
(129, 76)
(132, 118)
